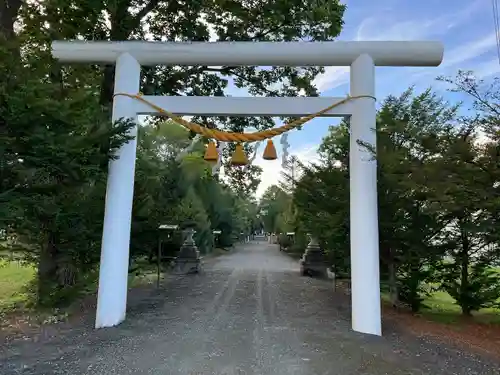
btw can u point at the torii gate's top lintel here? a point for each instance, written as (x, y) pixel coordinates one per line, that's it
(383, 53)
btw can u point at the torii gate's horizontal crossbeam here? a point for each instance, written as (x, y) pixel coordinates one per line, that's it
(243, 106)
(383, 53)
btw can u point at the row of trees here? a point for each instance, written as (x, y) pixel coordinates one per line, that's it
(183, 191)
(57, 139)
(438, 195)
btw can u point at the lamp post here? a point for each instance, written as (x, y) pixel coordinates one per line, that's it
(171, 227)
(215, 237)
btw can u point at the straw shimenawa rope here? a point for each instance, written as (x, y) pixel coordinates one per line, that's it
(240, 137)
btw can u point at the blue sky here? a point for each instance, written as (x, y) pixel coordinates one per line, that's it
(465, 27)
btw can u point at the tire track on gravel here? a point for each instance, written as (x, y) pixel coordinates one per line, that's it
(260, 341)
(287, 347)
(205, 328)
(227, 291)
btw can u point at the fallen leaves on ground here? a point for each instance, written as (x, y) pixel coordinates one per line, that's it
(467, 333)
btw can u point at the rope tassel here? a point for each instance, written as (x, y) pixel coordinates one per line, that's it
(270, 151)
(239, 157)
(211, 154)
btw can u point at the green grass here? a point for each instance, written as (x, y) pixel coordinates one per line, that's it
(14, 278)
(442, 308)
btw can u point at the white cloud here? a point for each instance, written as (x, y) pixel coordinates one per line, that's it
(487, 69)
(386, 25)
(272, 169)
(463, 57)
(470, 50)
(333, 77)
(370, 30)
(383, 26)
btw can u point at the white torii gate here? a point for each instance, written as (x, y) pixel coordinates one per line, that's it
(362, 57)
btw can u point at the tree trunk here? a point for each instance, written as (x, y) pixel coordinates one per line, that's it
(118, 32)
(121, 27)
(9, 10)
(393, 281)
(55, 271)
(464, 272)
(414, 284)
(47, 269)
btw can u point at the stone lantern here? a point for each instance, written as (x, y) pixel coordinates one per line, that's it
(313, 262)
(188, 260)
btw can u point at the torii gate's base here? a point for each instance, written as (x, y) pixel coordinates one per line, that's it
(361, 56)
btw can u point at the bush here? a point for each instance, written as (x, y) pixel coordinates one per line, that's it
(284, 241)
(481, 291)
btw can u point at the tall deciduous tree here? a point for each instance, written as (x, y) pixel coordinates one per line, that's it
(437, 193)
(57, 138)
(51, 158)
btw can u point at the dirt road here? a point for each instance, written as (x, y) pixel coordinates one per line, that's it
(249, 313)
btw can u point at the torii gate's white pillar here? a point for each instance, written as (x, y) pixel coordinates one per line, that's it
(365, 282)
(113, 275)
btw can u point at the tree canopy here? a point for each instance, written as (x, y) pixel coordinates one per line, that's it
(438, 171)
(437, 194)
(57, 137)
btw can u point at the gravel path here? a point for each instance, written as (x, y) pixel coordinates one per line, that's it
(249, 313)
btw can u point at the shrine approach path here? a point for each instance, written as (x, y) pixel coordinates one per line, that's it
(249, 312)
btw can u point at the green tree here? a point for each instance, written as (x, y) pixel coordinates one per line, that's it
(281, 20)
(57, 138)
(407, 128)
(321, 198)
(470, 163)
(273, 204)
(438, 197)
(52, 183)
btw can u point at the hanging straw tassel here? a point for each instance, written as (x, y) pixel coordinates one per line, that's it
(239, 157)
(211, 153)
(270, 151)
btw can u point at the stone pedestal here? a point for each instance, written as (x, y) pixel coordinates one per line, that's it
(188, 261)
(313, 262)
